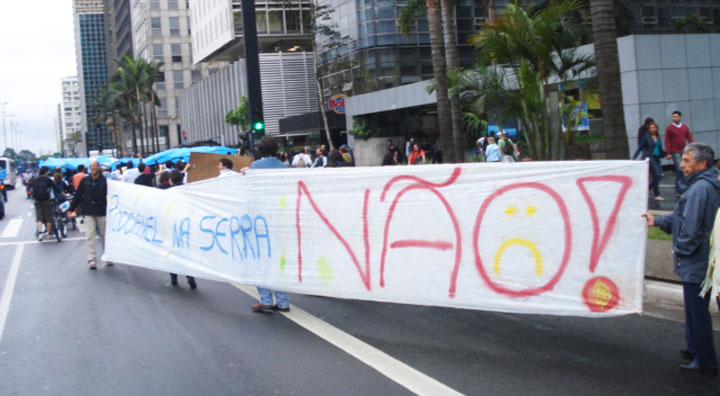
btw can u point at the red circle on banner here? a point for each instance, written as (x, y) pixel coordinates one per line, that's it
(566, 237)
(601, 294)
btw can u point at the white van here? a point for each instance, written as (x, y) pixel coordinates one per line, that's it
(8, 172)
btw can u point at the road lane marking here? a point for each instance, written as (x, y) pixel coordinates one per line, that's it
(12, 229)
(406, 376)
(37, 242)
(9, 288)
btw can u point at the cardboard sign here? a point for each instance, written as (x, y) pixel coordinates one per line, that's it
(562, 238)
(205, 166)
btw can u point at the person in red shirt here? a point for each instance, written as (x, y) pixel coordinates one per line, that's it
(78, 176)
(677, 135)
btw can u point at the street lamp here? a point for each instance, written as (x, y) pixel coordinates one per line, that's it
(3, 104)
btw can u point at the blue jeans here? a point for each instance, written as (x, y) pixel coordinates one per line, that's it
(680, 183)
(698, 326)
(656, 174)
(266, 297)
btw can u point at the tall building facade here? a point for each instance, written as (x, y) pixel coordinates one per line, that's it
(70, 114)
(118, 28)
(161, 32)
(659, 16)
(58, 130)
(287, 88)
(217, 28)
(91, 56)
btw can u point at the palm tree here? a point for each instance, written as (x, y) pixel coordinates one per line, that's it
(133, 83)
(150, 96)
(453, 63)
(440, 40)
(528, 50)
(602, 13)
(440, 73)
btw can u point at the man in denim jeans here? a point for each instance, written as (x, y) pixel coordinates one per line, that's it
(677, 135)
(268, 149)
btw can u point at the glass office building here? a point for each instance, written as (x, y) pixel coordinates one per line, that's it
(373, 54)
(92, 69)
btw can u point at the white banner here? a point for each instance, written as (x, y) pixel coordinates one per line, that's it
(562, 238)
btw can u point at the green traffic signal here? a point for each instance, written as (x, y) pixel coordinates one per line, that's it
(258, 126)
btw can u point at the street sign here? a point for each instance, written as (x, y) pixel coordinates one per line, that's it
(337, 103)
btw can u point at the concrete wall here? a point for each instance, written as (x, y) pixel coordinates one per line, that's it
(371, 152)
(663, 73)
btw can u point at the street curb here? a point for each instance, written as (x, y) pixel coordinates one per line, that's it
(666, 293)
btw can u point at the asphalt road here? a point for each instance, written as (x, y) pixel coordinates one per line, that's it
(126, 331)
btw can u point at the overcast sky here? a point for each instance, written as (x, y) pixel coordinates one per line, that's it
(37, 49)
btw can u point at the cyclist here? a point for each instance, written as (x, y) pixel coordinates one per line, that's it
(41, 187)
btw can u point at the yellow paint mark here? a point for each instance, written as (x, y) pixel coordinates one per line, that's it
(324, 271)
(283, 261)
(602, 293)
(531, 210)
(522, 242)
(283, 201)
(167, 212)
(511, 210)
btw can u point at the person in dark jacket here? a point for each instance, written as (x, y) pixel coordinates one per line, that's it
(145, 179)
(92, 193)
(176, 179)
(691, 225)
(651, 147)
(643, 130)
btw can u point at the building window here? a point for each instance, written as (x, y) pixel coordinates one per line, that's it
(172, 4)
(178, 79)
(275, 21)
(196, 75)
(162, 109)
(158, 52)
(292, 20)
(174, 26)
(160, 84)
(154, 4)
(156, 26)
(176, 52)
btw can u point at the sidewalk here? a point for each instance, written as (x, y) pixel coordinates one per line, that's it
(665, 300)
(667, 190)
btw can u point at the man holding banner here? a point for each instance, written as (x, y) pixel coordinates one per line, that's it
(268, 148)
(92, 193)
(691, 225)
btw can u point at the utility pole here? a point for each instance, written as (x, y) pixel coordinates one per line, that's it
(16, 140)
(12, 122)
(3, 104)
(252, 65)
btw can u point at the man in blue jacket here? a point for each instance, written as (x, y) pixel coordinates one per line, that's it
(268, 148)
(691, 224)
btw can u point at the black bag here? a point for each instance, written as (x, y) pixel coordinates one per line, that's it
(508, 148)
(41, 189)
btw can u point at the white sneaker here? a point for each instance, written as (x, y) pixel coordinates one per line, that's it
(40, 236)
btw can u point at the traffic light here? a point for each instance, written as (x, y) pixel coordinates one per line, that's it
(258, 129)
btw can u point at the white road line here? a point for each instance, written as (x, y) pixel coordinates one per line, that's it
(406, 376)
(9, 288)
(12, 229)
(36, 242)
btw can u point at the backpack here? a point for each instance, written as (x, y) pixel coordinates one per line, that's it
(301, 163)
(508, 148)
(41, 189)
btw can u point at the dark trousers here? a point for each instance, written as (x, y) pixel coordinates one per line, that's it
(680, 182)
(655, 175)
(698, 326)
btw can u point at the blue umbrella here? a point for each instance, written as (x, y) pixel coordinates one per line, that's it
(183, 154)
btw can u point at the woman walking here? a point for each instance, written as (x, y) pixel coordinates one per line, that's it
(651, 147)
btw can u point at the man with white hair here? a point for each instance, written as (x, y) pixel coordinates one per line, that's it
(92, 193)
